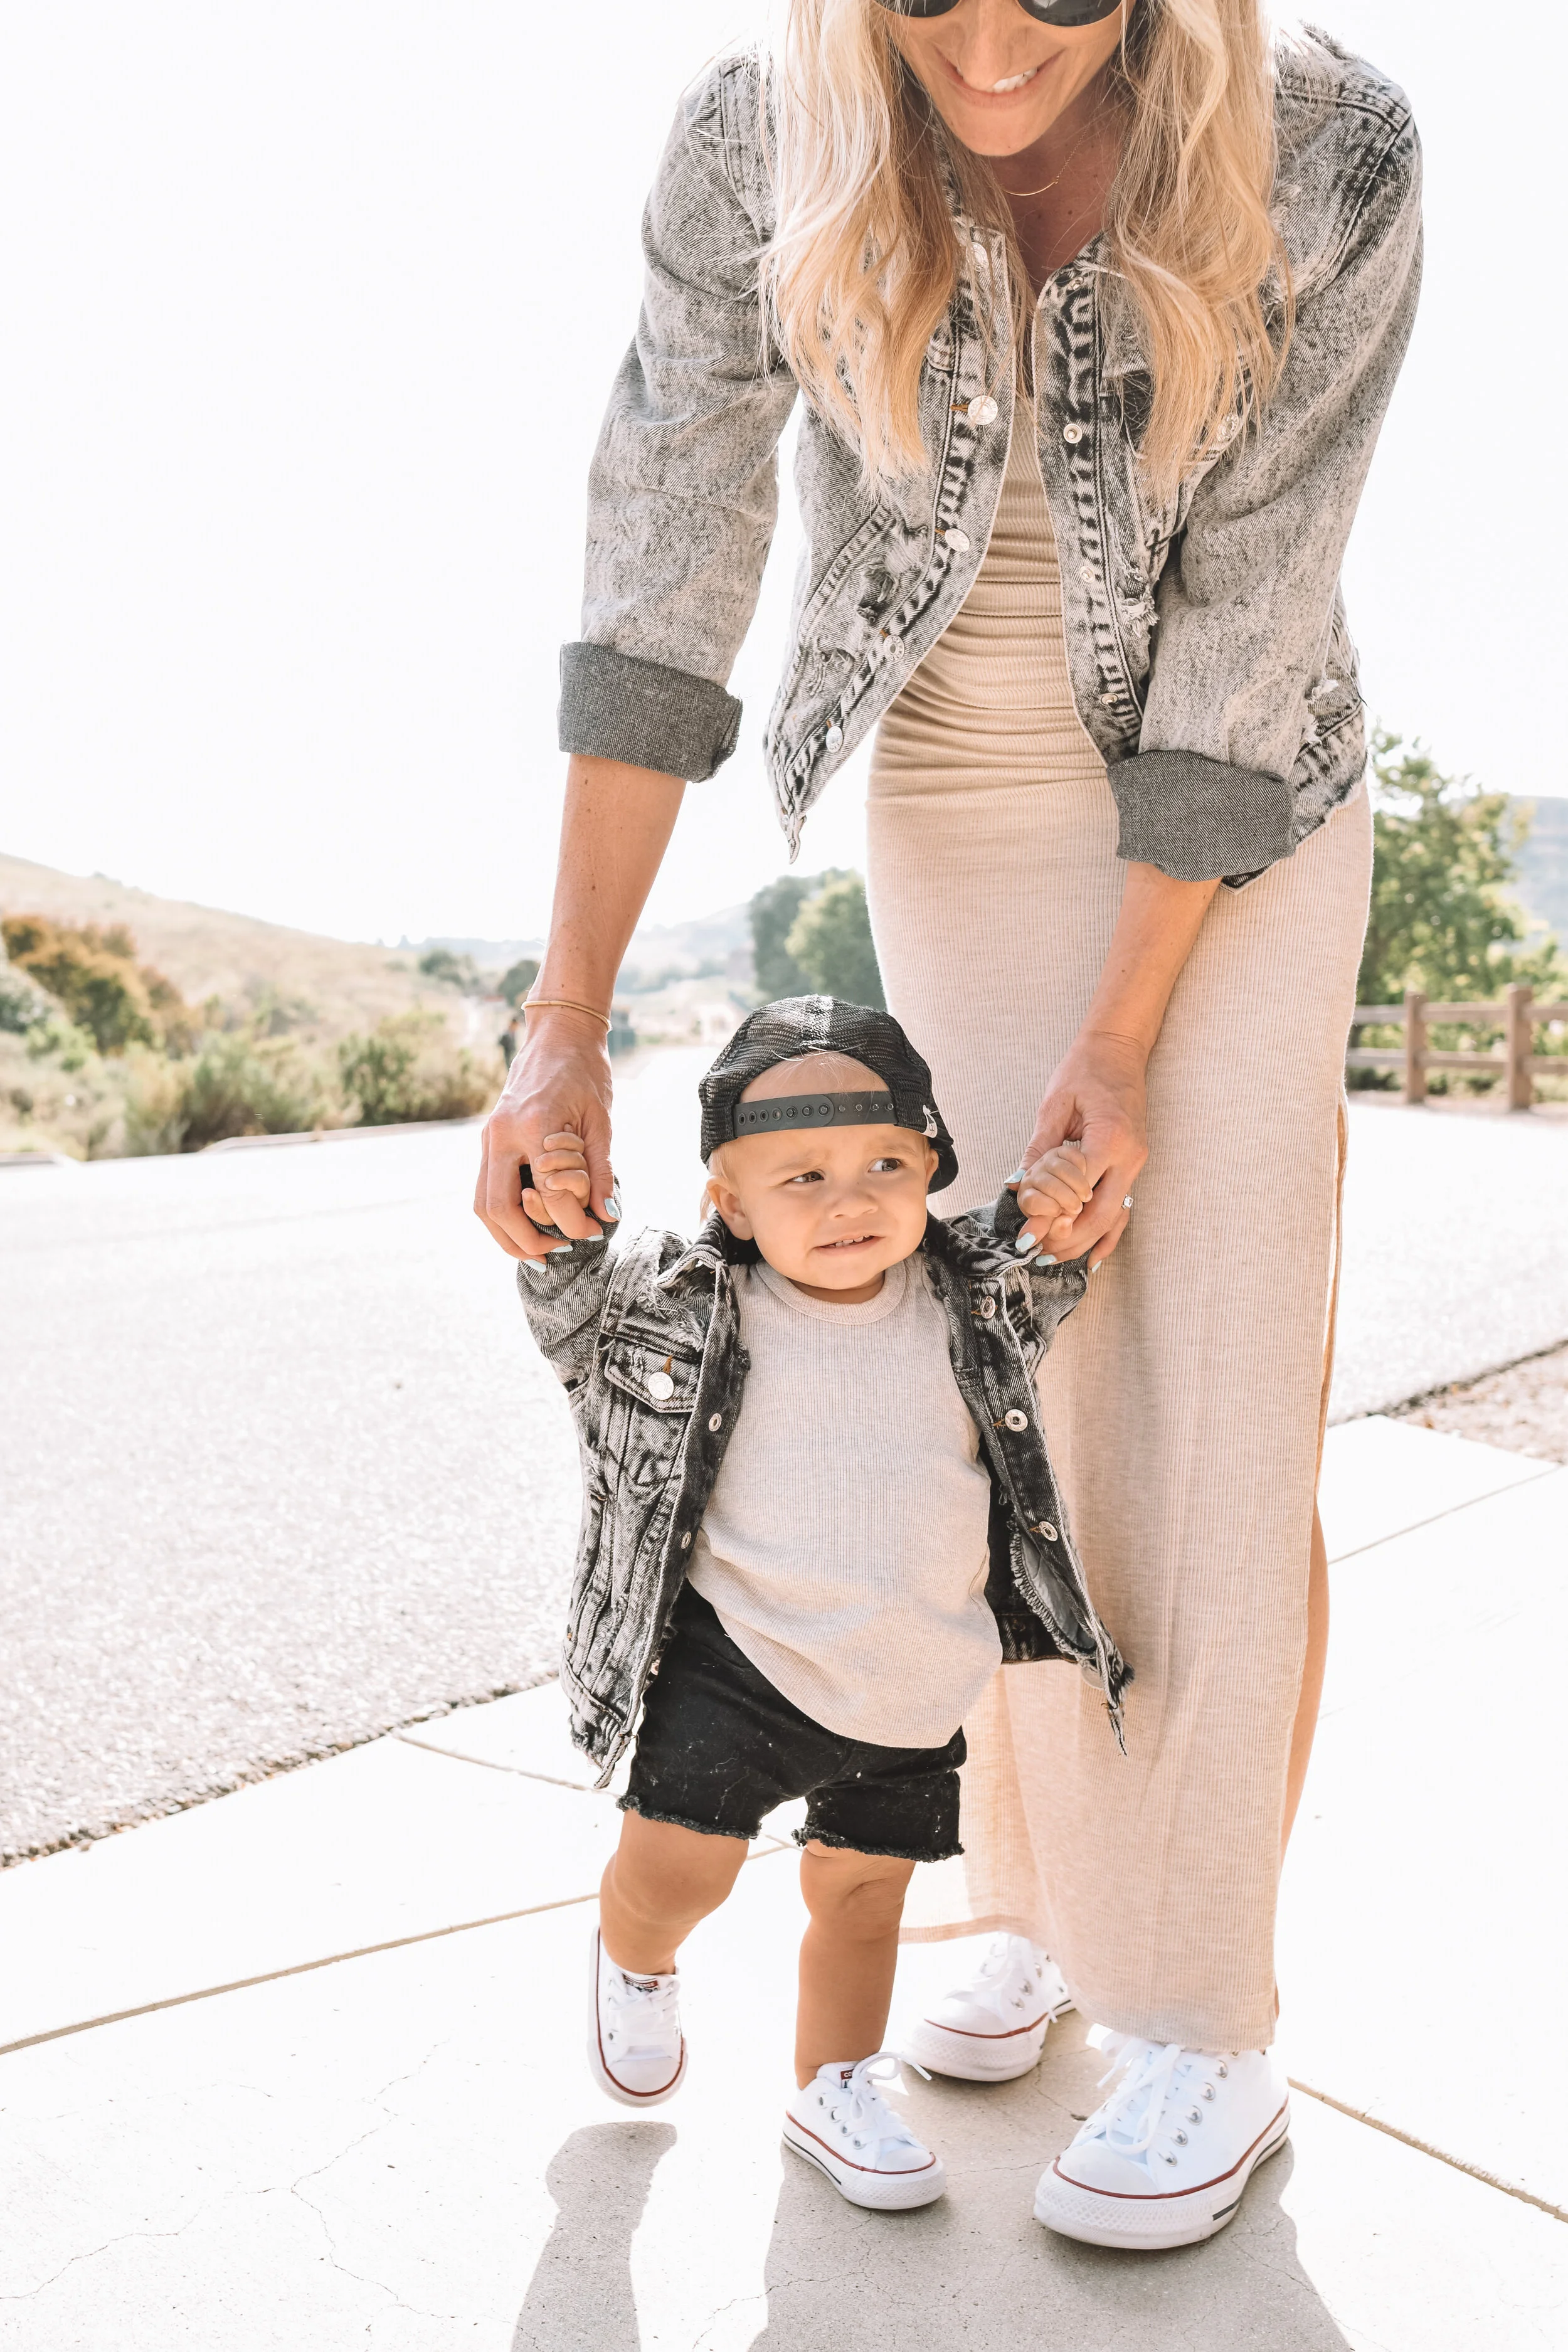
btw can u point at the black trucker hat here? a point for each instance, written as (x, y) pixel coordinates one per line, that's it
(823, 1024)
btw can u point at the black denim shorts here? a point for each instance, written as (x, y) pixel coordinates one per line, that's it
(720, 1747)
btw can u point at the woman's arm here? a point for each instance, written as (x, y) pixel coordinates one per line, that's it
(615, 830)
(1096, 1096)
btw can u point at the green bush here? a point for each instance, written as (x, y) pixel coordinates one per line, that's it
(407, 1068)
(23, 1004)
(518, 978)
(830, 939)
(94, 974)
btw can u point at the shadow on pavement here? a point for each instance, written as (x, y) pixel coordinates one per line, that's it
(580, 2298)
(977, 2270)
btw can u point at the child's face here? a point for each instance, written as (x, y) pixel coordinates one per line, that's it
(830, 1208)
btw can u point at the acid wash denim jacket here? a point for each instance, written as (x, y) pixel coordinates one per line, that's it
(1207, 639)
(647, 1341)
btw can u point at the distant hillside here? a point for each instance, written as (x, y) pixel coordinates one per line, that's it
(1541, 882)
(659, 952)
(329, 986)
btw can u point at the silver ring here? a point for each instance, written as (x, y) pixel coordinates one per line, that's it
(1127, 1203)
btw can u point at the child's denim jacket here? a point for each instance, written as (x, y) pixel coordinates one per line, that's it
(647, 1341)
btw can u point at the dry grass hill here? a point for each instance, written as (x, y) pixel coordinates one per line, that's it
(206, 952)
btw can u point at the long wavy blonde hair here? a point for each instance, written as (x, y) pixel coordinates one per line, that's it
(864, 261)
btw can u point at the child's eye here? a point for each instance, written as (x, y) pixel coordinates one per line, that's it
(806, 1176)
(888, 1167)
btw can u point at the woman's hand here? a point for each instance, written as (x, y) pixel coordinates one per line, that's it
(558, 1087)
(1095, 1099)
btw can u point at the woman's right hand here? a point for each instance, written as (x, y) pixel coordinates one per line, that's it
(558, 1080)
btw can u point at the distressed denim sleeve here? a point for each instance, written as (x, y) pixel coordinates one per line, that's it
(563, 1299)
(683, 490)
(1248, 593)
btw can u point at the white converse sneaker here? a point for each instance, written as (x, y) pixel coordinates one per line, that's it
(841, 2123)
(1166, 2159)
(992, 2029)
(635, 2047)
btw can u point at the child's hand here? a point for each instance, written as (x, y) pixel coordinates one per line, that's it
(561, 1167)
(1053, 1191)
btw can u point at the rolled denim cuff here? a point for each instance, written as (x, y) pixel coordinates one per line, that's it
(1201, 820)
(615, 706)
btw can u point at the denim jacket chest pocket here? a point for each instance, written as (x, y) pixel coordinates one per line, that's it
(649, 1392)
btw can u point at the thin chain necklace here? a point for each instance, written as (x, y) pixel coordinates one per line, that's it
(1016, 196)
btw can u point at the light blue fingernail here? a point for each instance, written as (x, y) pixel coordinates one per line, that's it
(1025, 1241)
(1016, 1177)
(562, 1249)
(613, 1205)
(532, 1266)
(1045, 1260)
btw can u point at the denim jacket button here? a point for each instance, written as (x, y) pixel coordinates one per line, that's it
(987, 1309)
(982, 411)
(834, 739)
(1017, 1420)
(715, 1420)
(1045, 1530)
(1072, 432)
(660, 1385)
(686, 1540)
(958, 540)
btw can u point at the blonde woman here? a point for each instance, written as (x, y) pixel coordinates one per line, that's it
(1096, 310)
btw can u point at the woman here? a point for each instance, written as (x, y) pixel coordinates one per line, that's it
(1097, 309)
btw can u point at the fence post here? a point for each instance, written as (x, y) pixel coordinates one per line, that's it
(1415, 1045)
(1517, 1040)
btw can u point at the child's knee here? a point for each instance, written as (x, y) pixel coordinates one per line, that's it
(858, 1895)
(666, 1869)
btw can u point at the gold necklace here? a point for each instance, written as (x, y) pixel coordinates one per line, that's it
(1016, 196)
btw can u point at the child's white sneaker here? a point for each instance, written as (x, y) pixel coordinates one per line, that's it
(635, 2047)
(992, 2029)
(1165, 2160)
(841, 2123)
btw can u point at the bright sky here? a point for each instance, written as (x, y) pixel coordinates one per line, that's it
(311, 311)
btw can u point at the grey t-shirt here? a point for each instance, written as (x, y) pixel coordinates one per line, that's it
(843, 1546)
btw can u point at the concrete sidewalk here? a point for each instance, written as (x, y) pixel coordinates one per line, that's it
(353, 2108)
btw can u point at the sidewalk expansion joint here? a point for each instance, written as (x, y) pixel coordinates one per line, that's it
(328, 1960)
(1470, 1503)
(1425, 2147)
(520, 1771)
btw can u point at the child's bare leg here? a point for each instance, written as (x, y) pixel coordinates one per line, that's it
(847, 1955)
(659, 1882)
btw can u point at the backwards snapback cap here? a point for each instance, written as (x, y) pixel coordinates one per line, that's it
(795, 1025)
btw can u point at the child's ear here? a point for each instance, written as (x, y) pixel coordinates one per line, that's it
(932, 1163)
(718, 1195)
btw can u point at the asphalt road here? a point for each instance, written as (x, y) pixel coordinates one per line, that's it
(281, 1469)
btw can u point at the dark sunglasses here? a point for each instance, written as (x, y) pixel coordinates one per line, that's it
(1043, 12)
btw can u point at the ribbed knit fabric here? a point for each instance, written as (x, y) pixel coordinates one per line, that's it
(1182, 1398)
(845, 1543)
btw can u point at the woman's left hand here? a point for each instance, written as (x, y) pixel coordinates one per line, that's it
(1095, 1099)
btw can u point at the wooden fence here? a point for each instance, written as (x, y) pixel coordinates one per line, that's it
(1515, 1061)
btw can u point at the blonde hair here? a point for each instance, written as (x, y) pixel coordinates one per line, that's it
(864, 263)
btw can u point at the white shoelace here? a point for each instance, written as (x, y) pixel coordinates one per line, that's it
(1134, 2118)
(649, 2009)
(859, 2108)
(994, 1969)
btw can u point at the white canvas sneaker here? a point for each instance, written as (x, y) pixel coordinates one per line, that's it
(841, 2123)
(636, 2048)
(1165, 2160)
(992, 2029)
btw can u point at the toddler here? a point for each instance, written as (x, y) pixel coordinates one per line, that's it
(818, 1513)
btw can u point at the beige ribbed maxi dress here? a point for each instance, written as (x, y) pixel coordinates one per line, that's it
(1183, 1399)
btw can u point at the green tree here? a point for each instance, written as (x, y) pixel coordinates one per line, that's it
(1441, 918)
(772, 912)
(95, 975)
(518, 978)
(451, 971)
(408, 1069)
(830, 939)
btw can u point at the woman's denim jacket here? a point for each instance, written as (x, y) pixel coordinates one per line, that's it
(611, 1322)
(1207, 639)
